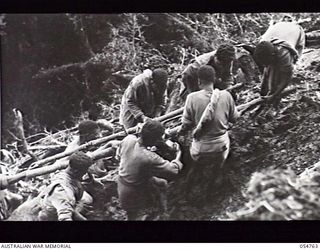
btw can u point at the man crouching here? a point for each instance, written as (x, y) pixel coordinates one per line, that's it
(60, 199)
(140, 167)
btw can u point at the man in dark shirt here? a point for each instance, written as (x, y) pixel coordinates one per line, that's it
(59, 200)
(141, 168)
(144, 98)
(221, 60)
(225, 60)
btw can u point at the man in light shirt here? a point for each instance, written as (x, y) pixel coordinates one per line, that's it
(277, 52)
(208, 111)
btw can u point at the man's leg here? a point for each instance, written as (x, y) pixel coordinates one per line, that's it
(264, 83)
(160, 187)
(199, 177)
(134, 200)
(217, 175)
(194, 175)
(265, 88)
(285, 77)
(219, 164)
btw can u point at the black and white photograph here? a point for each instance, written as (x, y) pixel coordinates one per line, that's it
(160, 117)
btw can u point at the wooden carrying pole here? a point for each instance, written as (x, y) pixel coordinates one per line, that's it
(103, 140)
(163, 118)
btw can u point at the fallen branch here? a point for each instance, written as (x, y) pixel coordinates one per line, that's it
(41, 147)
(63, 68)
(22, 142)
(53, 137)
(236, 86)
(35, 135)
(250, 105)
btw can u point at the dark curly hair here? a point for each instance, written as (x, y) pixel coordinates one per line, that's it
(87, 127)
(87, 131)
(151, 132)
(264, 53)
(160, 76)
(207, 73)
(226, 52)
(80, 162)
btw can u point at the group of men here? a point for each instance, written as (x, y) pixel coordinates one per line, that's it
(209, 108)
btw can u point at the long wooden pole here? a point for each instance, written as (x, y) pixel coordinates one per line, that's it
(249, 105)
(5, 181)
(103, 140)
